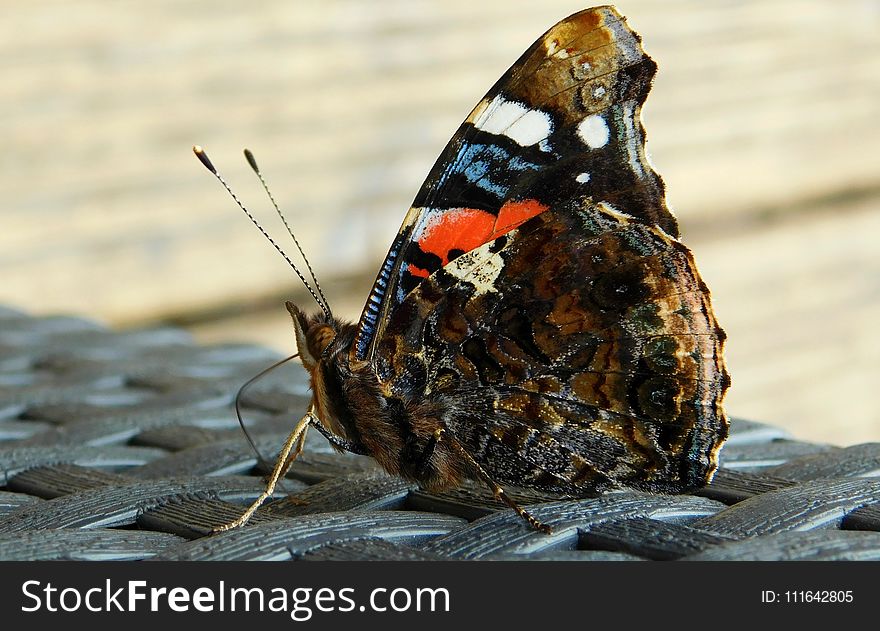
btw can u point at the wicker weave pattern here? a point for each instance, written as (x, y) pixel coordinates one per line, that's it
(124, 446)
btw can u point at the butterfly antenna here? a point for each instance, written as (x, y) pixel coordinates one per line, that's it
(247, 384)
(253, 164)
(203, 158)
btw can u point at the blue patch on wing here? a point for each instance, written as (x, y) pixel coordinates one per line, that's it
(489, 167)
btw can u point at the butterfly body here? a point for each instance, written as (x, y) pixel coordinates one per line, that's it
(536, 321)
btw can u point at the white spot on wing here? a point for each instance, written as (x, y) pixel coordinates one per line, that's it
(593, 130)
(583, 178)
(514, 120)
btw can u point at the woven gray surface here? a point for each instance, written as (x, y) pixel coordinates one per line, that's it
(124, 445)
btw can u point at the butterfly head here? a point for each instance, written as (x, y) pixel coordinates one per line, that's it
(323, 342)
(314, 335)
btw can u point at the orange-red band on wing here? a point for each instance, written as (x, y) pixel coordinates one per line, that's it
(465, 229)
(512, 214)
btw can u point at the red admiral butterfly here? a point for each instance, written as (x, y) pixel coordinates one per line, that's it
(536, 321)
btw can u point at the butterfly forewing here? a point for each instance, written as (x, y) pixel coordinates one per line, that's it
(562, 123)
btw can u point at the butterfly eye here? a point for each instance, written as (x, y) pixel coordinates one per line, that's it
(319, 339)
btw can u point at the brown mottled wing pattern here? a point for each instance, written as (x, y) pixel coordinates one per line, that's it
(576, 353)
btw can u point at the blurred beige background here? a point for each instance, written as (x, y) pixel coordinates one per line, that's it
(763, 121)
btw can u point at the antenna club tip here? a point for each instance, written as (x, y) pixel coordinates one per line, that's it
(203, 158)
(251, 161)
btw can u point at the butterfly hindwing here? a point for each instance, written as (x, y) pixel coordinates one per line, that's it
(575, 353)
(561, 124)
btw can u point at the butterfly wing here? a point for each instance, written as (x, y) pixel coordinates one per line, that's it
(537, 293)
(561, 124)
(576, 353)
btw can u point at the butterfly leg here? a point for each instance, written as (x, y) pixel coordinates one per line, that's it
(338, 441)
(441, 434)
(285, 459)
(300, 445)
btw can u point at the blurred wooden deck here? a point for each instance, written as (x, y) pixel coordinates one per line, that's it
(763, 122)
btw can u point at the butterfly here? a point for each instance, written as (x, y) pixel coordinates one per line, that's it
(537, 321)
